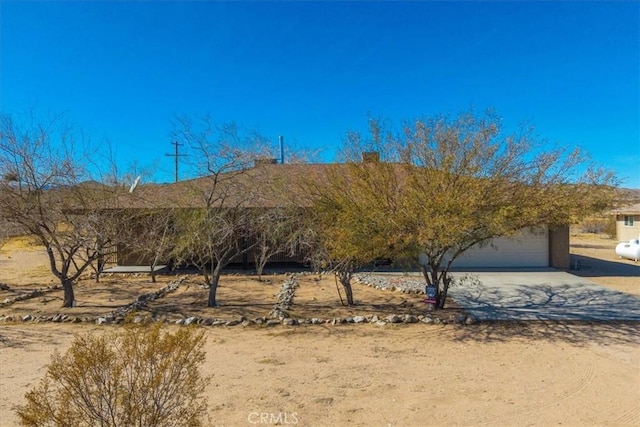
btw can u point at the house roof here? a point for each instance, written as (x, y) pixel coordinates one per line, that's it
(628, 210)
(263, 186)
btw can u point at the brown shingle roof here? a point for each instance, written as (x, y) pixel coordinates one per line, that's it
(265, 185)
(629, 210)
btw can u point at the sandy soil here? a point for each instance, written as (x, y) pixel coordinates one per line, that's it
(597, 260)
(319, 375)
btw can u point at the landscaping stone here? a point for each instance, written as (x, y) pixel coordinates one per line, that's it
(401, 283)
(410, 318)
(393, 318)
(284, 299)
(470, 320)
(359, 319)
(29, 295)
(459, 319)
(277, 316)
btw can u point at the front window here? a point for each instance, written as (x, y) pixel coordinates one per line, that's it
(628, 220)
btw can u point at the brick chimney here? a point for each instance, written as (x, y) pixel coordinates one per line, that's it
(370, 157)
(265, 161)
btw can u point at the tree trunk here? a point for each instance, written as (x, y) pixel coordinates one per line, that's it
(442, 297)
(69, 297)
(348, 293)
(213, 288)
(345, 280)
(425, 273)
(154, 263)
(100, 266)
(261, 260)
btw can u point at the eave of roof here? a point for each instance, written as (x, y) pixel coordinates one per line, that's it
(628, 210)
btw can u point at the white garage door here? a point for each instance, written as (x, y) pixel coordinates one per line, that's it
(528, 249)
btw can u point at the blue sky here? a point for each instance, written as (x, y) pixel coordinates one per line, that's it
(311, 71)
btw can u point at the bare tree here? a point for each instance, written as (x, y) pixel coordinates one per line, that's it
(49, 194)
(149, 236)
(216, 228)
(271, 233)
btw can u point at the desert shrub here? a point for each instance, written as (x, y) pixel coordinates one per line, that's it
(593, 225)
(137, 376)
(597, 225)
(610, 227)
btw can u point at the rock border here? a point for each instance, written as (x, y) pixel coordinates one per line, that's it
(28, 295)
(284, 299)
(277, 316)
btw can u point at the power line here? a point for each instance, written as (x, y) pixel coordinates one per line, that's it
(176, 155)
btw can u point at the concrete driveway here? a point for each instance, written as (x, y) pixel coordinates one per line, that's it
(541, 295)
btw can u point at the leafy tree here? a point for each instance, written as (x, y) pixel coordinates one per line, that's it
(445, 185)
(137, 376)
(347, 220)
(48, 192)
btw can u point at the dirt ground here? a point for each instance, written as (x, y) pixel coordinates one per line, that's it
(363, 375)
(597, 260)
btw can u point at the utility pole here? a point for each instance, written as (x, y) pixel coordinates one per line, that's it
(176, 155)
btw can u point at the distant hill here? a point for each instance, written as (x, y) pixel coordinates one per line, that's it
(630, 195)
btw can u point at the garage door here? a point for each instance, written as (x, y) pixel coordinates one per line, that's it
(527, 249)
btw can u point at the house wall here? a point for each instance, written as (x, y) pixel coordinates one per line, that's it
(527, 249)
(545, 247)
(559, 247)
(128, 257)
(626, 233)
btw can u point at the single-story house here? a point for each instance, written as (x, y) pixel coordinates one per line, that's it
(532, 248)
(628, 223)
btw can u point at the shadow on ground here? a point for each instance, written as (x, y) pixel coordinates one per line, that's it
(585, 266)
(577, 333)
(573, 301)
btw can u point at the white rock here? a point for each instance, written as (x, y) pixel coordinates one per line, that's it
(359, 319)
